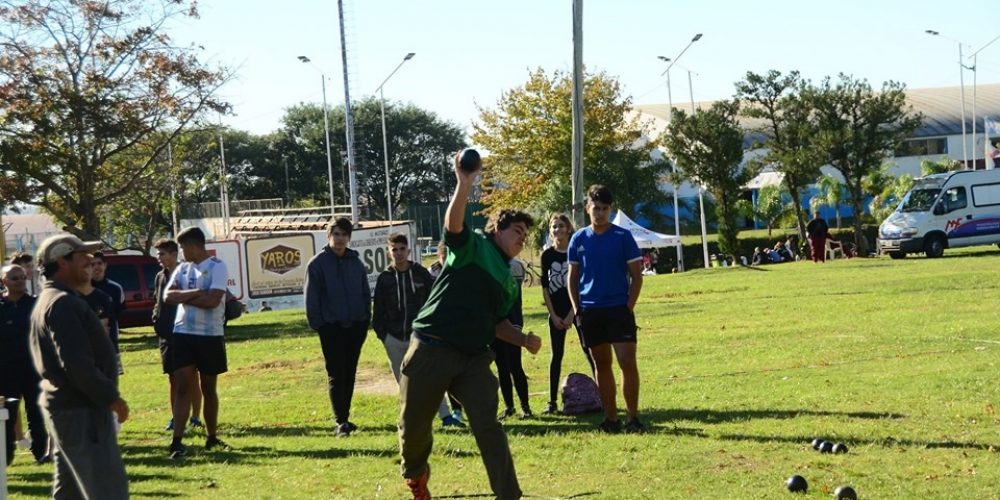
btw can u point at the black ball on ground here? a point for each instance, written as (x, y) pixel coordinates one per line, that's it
(840, 448)
(797, 484)
(826, 447)
(816, 443)
(845, 493)
(470, 161)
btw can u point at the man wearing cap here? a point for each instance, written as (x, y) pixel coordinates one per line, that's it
(76, 360)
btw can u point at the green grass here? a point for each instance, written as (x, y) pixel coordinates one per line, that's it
(741, 368)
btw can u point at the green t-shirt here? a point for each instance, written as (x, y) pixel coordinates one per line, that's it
(473, 293)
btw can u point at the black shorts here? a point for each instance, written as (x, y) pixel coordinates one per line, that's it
(607, 325)
(166, 356)
(208, 354)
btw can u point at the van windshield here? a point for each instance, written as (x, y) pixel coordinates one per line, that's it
(918, 200)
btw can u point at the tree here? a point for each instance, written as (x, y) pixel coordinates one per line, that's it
(831, 194)
(858, 128)
(775, 102)
(708, 147)
(529, 138)
(772, 206)
(84, 82)
(943, 165)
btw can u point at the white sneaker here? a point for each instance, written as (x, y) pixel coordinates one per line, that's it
(24, 443)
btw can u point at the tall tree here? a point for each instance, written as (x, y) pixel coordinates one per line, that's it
(83, 82)
(830, 193)
(782, 116)
(529, 137)
(858, 128)
(773, 206)
(708, 147)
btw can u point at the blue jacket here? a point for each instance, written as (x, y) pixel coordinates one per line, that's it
(337, 290)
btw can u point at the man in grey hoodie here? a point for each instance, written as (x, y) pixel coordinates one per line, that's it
(338, 307)
(400, 292)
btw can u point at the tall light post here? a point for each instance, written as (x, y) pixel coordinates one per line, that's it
(385, 142)
(670, 116)
(961, 82)
(677, 212)
(326, 129)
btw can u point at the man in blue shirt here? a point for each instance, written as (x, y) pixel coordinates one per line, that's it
(604, 281)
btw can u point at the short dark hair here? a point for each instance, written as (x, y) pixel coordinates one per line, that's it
(398, 238)
(503, 219)
(601, 193)
(98, 256)
(342, 223)
(165, 245)
(20, 258)
(49, 270)
(191, 235)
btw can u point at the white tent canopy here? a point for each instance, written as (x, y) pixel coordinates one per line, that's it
(644, 237)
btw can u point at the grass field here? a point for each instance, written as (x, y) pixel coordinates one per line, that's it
(741, 368)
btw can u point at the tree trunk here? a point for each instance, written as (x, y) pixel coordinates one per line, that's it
(800, 220)
(856, 195)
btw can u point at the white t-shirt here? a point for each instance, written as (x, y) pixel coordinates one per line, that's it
(209, 274)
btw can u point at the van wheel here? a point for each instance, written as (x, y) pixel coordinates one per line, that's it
(934, 247)
(897, 255)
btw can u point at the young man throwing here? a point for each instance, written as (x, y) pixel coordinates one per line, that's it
(605, 278)
(452, 333)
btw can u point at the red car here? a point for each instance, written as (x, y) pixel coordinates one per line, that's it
(137, 276)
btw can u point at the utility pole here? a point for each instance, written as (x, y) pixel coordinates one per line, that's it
(349, 122)
(576, 178)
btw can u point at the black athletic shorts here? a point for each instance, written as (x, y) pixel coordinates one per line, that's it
(166, 356)
(607, 325)
(208, 354)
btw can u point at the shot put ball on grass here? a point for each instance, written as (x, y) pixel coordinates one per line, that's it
(845, 493)
(826, 447)
(840, 448)
(797, 484)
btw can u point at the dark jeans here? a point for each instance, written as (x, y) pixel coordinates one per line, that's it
(341, 351)
(555, 365)
(511, 374)
(26, 388)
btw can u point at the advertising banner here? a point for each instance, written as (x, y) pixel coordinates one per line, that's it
(276, 266)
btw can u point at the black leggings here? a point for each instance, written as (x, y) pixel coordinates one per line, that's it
(341, 351)
(511, 374)
(555, 365)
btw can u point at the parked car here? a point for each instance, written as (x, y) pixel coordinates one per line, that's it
(137, 276)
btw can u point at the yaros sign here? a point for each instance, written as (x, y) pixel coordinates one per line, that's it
(280, 259)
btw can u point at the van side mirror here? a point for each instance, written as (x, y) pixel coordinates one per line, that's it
(939, 209)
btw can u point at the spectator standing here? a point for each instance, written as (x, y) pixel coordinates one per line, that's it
(818, 231)
(605, 279)
(76, 360)
(338, 307)
(117, 294)
(510, 372)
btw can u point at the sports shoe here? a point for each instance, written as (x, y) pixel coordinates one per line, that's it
(551, 409)
(508, 412)
(170, 425)
(45, 459)
(418, 485)
(450, 421)
(350, 426)
(195, 422)
(634, 426)
(177, 450)
(610, 426)
(458, 415)
(526, 413)
(343, 430)
(214, 442)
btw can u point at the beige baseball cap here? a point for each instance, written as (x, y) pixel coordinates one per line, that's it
(61, 245)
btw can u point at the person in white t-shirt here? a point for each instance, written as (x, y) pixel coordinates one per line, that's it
(198, 288)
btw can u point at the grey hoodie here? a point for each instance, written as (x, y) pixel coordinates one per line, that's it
(336, 290)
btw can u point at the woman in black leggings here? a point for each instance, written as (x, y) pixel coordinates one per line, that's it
(556, 296)
(509, 370)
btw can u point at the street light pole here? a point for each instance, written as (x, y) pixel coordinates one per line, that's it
(961, 82)
(677, 212)
(326, 130)
(385, 142)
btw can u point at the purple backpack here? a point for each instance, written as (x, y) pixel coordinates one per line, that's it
(580, 395)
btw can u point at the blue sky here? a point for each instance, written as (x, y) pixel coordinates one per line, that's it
(469, 52)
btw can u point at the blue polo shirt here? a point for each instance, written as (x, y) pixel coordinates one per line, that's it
(603, 260)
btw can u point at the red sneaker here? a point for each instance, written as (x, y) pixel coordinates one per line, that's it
(418, 485)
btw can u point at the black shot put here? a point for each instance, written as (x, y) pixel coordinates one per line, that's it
(470, 161)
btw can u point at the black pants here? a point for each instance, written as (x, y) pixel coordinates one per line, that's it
(511, 373)
(555, 365)
(341, 350)
(25, 387)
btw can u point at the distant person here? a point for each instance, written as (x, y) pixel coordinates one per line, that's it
(198, 289)
(164, 316)
(791, 245)
(510, 371)
(264, 307)
(338, 307)
(117, 293)
(561, 318)
(442, 253)
(783, 252)
(27, 262)
(604, 282)
(818, 231)
(76, 360)
(760, 257)
(466, 310)
(18, 378)
(400, 292)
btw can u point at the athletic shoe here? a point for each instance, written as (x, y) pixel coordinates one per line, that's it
(450, 421)
(343, 430)
(634, 426)
(526, 413)
(552, 408)
(214, 442)
(458, 415)
(418, 485)
(195, 422)
(46, 459)
(170, 425)
(177, 451)
(610, 426)
(351, 427)
(509, 412)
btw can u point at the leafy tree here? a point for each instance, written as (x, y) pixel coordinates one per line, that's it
(775, 103)
(773, 205)
(708, 147)
(885, 200)
(83, 83)
(944, 164)
(831, 194)
(857, 128)
(529, 138)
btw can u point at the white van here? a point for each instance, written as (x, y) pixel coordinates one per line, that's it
(954, 209)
